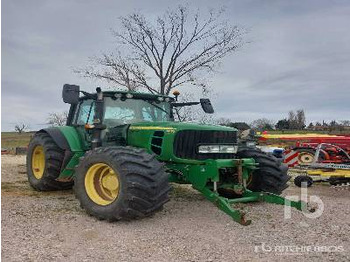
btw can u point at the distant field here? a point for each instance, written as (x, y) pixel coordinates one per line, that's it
(13, 139)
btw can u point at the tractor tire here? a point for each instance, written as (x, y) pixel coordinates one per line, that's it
(44, 162)
(271, 175)
(121, 183)
(300, 179)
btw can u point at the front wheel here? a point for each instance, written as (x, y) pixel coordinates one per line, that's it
(271, 175)
(120, 183)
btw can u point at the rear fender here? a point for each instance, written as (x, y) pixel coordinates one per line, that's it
(57, 136)
(66, 138)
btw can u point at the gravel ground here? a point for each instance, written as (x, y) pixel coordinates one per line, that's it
(51, 227)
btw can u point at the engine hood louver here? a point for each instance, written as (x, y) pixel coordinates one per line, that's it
(187, 141)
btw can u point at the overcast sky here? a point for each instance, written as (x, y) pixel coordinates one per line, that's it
(298, 56)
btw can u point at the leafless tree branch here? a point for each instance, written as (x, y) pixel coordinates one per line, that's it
(57, 119)
(171, 50)
(20, 128)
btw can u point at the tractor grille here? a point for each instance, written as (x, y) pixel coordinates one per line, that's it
(187, 141)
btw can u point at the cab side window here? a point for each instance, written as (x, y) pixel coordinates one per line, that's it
(85, 112)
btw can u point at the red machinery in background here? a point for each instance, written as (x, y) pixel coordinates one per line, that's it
(335, 149)
(332, 151)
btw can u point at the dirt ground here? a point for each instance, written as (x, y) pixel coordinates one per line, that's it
(51, 226)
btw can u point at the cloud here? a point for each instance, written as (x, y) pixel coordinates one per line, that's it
(298, 56)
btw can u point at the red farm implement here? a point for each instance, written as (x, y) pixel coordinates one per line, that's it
(332, 148)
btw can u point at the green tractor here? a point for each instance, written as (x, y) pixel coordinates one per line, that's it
(120, 151)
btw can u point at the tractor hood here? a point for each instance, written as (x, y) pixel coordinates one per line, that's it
(177, 126)
(173, 141)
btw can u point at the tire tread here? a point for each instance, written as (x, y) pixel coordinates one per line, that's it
(146, 183)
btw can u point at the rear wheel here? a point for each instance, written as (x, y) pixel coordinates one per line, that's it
(44, 161)
(271, 175)
(115, 183)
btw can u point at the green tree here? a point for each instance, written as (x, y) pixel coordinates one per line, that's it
(282, 124)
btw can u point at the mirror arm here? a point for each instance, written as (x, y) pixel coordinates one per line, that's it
(185, 104)
(88, 94)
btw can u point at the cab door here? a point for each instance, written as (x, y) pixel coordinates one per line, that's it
(83, 114)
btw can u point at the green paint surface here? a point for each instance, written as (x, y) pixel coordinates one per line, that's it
(74, 139)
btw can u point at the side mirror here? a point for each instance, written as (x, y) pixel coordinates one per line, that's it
(206, 105)
(70, 94)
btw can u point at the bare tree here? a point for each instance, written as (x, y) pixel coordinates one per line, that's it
(117, 70)
(169, 52)
(263, 124)
(345, 122)
(292, 120)
(223, 121)
(296, 120)
(20, 128)
(300, 118)
(57, 119)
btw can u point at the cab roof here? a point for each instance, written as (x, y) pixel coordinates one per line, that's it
(132, 94)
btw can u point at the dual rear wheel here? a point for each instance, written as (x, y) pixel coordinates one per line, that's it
(111, 183)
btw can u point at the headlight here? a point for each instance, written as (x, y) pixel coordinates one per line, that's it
(217, 149)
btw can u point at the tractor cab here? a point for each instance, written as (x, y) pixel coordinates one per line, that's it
(121, 108)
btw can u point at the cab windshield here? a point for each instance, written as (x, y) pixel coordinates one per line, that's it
(118, 112)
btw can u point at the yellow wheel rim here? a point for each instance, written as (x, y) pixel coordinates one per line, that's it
(38, 162)
(102, 184)
(305, 158)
